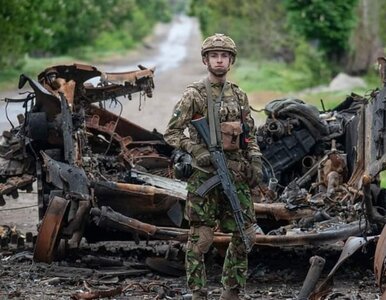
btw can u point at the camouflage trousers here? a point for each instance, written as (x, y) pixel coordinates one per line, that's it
(214, 211)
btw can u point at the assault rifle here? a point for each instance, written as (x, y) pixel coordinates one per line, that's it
(222, 177)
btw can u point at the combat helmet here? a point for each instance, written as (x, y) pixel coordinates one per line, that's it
(219, 42)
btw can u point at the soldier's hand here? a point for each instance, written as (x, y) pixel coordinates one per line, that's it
(182, 164)
(202, 155)
(254, 173)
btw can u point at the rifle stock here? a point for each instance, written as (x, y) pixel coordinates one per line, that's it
(222, 177)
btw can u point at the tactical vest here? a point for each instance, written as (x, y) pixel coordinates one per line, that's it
(230, 109)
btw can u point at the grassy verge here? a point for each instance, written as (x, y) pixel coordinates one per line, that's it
(270, 76)
(273, 80)
(107, 47)
(33, 66)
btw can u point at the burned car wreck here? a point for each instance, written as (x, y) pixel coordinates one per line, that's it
(101, 177)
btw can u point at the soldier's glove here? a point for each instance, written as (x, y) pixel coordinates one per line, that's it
(202, 155)
(254, 172)
(182, 164)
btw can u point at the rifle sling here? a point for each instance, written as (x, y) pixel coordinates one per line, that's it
(213, 110)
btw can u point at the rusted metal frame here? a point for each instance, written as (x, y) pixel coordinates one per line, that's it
(45, 101)
(67, 131)
(77, 72)
(374, 152)
(330, 236)
(175, 186)
(351, 246)
(71, 179)
(75, 226)
(126, 77)
(124, 127)
(142, 82)
(313, 275)
(75, 185)
(147, 190)
(12, 184)
(371, 212)
(49, 231)
(98, 294)
(278, 211)
(118, 221)
(377, 155)
(108, 218)
(307, 177)
(380, 261)
(358, 172)
(110, 129)
(177, 189)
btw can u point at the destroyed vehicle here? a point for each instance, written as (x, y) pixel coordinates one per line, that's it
(101, 177)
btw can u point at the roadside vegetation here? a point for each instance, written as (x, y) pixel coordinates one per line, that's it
(35, 34)
(286, 47)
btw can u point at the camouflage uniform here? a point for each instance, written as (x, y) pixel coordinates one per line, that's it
(214, 210)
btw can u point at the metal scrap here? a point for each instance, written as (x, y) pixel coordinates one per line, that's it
(380, 261)
(314, 272)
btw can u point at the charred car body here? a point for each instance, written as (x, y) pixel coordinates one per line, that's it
(94, 168)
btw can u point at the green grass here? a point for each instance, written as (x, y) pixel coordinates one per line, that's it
(331, 99)
(280, 77)
(105, 47)
(32, 67)
(273, 76)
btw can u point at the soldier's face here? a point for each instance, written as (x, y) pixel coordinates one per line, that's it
(218, 62)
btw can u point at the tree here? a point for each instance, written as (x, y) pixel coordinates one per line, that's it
(365, 40)
(326, 23)
(257, 26)
(14, 19)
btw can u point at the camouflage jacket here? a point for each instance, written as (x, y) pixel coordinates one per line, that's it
(193, 104)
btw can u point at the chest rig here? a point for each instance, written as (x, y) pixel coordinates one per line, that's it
(225, 115)
(224, 134)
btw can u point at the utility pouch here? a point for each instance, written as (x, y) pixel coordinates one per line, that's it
(230, 133)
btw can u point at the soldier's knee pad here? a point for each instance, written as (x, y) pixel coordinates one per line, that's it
(205, 238)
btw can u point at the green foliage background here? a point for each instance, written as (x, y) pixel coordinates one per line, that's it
(257, 26)
(304, 42)
(326, 22)
(41, 28)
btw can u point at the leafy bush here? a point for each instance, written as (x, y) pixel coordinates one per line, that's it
(311, 63)
(327, 22)
(274, 76)
(44, 28)
(257, 26)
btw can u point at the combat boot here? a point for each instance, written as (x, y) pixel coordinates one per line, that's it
(200, 295)
(230, 294)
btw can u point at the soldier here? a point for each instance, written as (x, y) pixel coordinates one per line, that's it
(205, 214)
